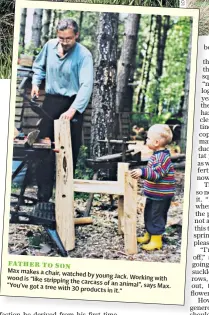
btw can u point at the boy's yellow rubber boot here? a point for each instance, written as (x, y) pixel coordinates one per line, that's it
(144, 239)
(155, 243)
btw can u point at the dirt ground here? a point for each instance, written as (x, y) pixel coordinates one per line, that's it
(100, 239)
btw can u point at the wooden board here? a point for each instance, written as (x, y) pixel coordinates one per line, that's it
(98, 187)
(130, 213)
(64, 196)
(122, 168)
(40, 144)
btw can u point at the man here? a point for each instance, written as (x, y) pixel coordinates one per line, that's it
(67, 67)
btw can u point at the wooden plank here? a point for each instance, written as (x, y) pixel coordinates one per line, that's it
(18, 105)
(112, 156)
(18, 111)
(87, 112)
(122, 168)
(17, 118)
(64, 199)
(87, 124)
(98, 187)
(28, 112)
(29, 126)
(19, 99)
(21, 143)
(30, 121)
(130, 213)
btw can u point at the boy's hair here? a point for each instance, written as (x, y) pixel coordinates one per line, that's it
(164, 132)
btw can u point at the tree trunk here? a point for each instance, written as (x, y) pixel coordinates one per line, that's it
(57, 17)
(51, 25)
(183, 138)
(127, 63)
(142, 79)
(36, 28)
(45, 26)
(163, 27)
(147, 77)
(80, 25)
(22, 28)
(104, 93)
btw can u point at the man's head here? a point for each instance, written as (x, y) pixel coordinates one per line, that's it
(159, 136)
(67, 33)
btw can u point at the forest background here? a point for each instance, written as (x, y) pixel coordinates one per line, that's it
(149, 70)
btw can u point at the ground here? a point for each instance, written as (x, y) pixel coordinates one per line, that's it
(100, 239)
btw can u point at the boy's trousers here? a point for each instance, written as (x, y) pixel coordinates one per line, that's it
(155, 215)
(55, 105)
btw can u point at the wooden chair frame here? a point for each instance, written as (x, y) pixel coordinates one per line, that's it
(125, 187)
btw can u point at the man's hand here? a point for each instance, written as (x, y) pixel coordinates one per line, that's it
(136, 173)
(35, 91)
(69, 114)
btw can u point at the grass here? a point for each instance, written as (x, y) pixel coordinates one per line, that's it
(6, 37)
(151, 3)
(204, 15)
(5, 66)
(7, 25)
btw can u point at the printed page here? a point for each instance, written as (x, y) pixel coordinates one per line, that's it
(199, 204)
(98, 264)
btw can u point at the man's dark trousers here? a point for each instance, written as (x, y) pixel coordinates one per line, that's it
(55, 105)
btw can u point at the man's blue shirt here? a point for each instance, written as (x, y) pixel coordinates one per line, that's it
(69, 75)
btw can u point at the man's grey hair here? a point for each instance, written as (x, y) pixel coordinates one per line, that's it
(65, 24)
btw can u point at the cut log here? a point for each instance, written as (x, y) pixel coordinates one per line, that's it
(85, 220)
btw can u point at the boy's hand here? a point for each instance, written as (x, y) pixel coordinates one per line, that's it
(136, 173)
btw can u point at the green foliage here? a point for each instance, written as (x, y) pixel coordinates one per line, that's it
(29, 50)
(147, 120)
(172, 81)
(5, 66)
(163, 95)
(15, 187)
(141, 120)
(35, 241)
(82, 171)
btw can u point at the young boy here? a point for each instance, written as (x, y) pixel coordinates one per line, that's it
(159, 186)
